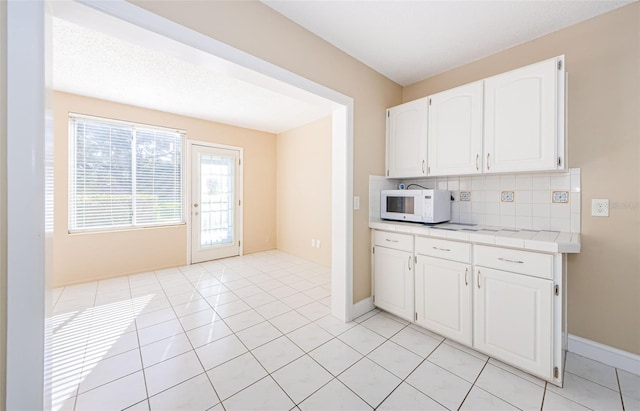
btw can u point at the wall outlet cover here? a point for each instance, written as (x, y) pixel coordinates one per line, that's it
(600, 207)
(506, 196)
(465, 196)
(560, 197)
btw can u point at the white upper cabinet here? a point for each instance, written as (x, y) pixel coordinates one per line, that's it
(524, 118)
(407, 139)
(455, 131)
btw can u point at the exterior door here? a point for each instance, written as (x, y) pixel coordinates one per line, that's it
(215, 203)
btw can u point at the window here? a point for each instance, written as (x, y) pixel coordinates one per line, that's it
(123, 175)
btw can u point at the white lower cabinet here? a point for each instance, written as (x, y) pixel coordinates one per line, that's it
(513, 319)
(506, 303)
(393, 277)
(443, 297)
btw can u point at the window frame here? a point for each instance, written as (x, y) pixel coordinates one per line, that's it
(72, 165)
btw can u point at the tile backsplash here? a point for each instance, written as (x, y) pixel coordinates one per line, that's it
(508, 200)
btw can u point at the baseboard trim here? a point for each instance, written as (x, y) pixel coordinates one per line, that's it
(604, 353)
(362, 307)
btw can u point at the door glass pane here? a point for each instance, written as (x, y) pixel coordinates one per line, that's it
(216, 200)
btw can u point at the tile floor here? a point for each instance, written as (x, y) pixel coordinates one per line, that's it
(255, 333)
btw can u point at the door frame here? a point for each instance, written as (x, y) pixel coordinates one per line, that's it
(187, 184)
(27, 254)
(29, 137)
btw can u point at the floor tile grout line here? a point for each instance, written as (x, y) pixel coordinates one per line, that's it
(544, 396)
(593, 382)
(404, 380)
(366, 356)
(84, 353)
(193, 349)
(144, 375)
(473, 384)
(619, 388)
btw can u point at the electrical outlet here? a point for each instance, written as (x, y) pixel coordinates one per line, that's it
(313, 243)
(318, 243)
(506, 196)
(560, 197)
(600, 207)
(465, 196)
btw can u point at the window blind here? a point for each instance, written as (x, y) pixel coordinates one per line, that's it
(123, 175)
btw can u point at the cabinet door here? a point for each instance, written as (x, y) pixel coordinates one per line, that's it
(407, 139)
(513, 319)
(443, 297)
(521, 119)
(393, 281)
(455, 131)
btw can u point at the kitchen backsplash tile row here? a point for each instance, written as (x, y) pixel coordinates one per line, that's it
(532, 205)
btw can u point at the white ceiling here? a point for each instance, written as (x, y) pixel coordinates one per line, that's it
(99, 56)
(408, 41)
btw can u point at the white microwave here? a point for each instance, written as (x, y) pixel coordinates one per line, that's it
(421, 206)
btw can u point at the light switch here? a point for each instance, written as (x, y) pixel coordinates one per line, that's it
(356, 203)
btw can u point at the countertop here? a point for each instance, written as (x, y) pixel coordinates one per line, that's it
(534, 240)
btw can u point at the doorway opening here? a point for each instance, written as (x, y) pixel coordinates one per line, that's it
(277, 79)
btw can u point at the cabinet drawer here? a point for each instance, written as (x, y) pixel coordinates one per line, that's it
(523, 262)
(451, 250)
(403, 242)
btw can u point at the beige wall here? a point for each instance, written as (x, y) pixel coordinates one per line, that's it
(89, 256)
(304, 191)
(603, 62)
(258, 30)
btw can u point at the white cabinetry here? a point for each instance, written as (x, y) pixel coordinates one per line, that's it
(455, 131)
(513, 311)
(524, 118)
(443, 288)
(510, 122)
(393, 273)
(407, 139)
(507, 303)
